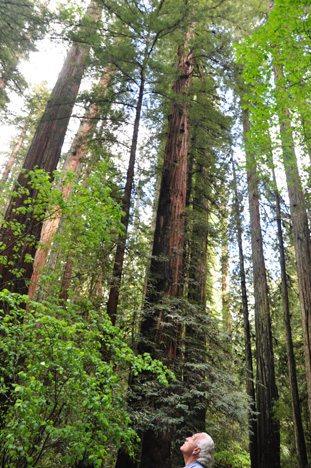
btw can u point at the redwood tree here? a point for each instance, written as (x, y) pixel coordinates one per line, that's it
(44, 153)
(161, 330)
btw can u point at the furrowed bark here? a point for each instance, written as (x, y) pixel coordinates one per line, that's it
(43, 153)
(72, 163)
(159, 332)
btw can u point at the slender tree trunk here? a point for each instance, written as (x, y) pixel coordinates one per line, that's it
(72, 163)
(43, 153)
(268, 431)
(113, 299)
(161, 333)
(302, 458)
(250, 387)
(225, 276)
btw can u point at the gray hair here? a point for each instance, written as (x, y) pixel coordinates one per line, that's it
(206, 455)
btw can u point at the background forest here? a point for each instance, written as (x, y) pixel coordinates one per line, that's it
(155, 233)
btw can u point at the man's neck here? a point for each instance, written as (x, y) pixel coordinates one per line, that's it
(189, 460)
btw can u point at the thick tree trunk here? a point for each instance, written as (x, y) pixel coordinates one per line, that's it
(72, 163)
(161, 334)
(43, 153)
(250, 387)
(302, 458)
(268, 431)
(113, 299)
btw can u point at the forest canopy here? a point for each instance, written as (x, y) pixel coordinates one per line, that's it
(155, 232)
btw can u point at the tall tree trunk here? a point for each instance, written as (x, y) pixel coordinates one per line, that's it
(250, 387)
(225, 275)
(113, 299)
(72, 163)
(301, 233)
(268, 431)
(43, 153)
(302, 458)
(159, 331)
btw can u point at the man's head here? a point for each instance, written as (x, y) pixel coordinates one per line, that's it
(200, 448)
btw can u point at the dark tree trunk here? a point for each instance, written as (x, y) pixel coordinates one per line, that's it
(250, 387)
(268, 431)
(225, 276)
(43, 153)
(302, 458)
(113, 299)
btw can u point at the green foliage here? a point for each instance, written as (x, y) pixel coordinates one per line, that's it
(22, 22)
(64, 399)
(235, 456)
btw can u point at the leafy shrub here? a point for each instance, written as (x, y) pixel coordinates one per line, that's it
(61, 399)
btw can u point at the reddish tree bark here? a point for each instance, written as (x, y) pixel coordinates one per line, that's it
(159, 331)
(72, 163)
(167, 257)
(43, 153)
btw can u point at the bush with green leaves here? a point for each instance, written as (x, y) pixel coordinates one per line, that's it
(65, 401)
(236, 457)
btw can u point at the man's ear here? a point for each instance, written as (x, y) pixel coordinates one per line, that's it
(196, 451)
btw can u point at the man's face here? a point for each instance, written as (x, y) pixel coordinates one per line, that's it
(190, 445)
